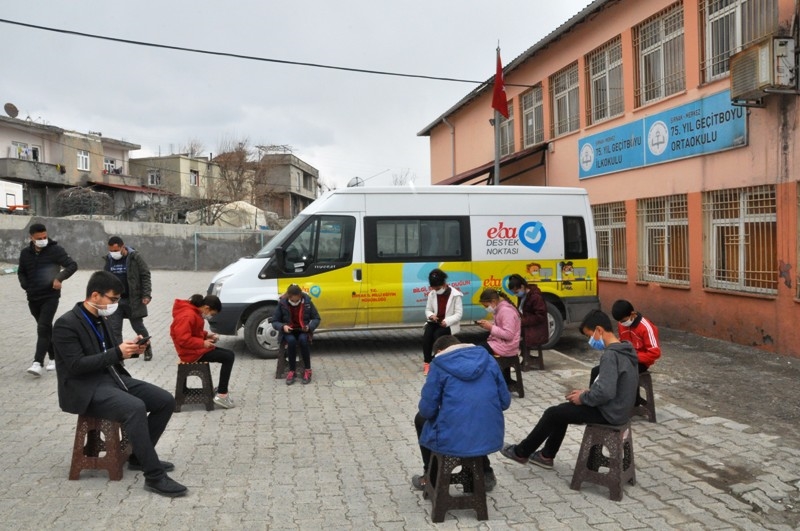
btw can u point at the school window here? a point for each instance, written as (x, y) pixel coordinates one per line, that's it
(532, 117)
(416, 239)
(663, 239)
(604, 75)
(741, 240)
(730, 26)
(153, 177)
(564, 100)
(83, 160)
(194, 178)
(507, 132)
(609, 226)
(658, 42)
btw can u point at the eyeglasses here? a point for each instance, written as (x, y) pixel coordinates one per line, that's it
(113, 300)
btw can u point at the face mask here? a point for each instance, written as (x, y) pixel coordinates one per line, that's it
(626, 323)
(207, 317)
(116, 255)
(440, 291)
(520, 293)
(41, 244)
(108, 310)
(596, 344)
(294, 303)
(489, 309)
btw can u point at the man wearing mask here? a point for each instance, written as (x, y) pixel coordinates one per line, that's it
(93, 381)
(131, 269)
(43, 266)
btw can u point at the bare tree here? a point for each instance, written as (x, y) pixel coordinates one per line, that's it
(85, 201)
(193, 147)
(403, 178)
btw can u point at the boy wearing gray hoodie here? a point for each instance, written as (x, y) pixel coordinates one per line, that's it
(607, 401)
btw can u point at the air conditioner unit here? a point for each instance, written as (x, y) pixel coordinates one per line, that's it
(766, 66)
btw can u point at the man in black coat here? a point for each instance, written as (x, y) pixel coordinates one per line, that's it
(43, 266)
(93, 381)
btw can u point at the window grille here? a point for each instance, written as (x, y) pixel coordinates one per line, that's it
(609, 225)
(741, 237)
(533, 117)
(507, 133)
(605, 97)
(658, 42)
(663, 239)
(564, 100)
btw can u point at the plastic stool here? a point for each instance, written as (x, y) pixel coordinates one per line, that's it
(471, 477)
(194, 395)
(94, 436)
(618, 442)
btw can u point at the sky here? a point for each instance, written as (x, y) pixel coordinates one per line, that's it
(345, 124)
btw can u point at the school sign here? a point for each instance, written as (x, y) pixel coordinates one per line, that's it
(701, 127)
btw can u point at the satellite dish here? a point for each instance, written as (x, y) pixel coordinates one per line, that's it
(11, 110)
(355, 182)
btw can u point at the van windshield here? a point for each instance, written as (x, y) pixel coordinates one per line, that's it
(279, 238)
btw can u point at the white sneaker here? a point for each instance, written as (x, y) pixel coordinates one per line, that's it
(226, 401)
(35, 369)
(51, 366)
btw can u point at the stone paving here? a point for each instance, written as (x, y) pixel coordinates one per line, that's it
(339, 453)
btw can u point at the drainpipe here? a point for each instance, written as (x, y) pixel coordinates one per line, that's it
(452, 146)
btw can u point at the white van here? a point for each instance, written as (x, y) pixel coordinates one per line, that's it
(364, 254)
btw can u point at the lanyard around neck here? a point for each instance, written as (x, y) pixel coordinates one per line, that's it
(100, 337)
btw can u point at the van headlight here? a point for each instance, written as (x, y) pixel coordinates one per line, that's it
(216, 287)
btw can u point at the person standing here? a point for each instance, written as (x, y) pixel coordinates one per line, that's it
(93, 381)
(131, 269)
(443, 313)
(43, 266)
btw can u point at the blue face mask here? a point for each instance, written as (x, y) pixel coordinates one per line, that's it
(520, 292)
(596, 344)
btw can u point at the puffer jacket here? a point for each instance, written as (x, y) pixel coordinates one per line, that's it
(283, 316)
(463, 400)
(188, 331)
(37, 271)
(535, 328)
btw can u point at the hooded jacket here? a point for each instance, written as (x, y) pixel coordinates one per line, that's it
(643, 335)
(505, 334)
(283, 316)
(37, 271)
(614, 390)
(188, 331)
(452, 312)
(139, 283)
(535, 328)
(463, 400)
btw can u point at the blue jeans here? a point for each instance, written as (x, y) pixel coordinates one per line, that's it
(292, 341)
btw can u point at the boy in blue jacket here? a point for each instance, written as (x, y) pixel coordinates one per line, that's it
(461, 407)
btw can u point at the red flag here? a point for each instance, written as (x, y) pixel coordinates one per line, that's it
(499, 101)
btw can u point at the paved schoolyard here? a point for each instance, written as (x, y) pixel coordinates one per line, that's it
(339, 453)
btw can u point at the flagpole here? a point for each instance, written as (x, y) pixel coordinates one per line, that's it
(496, 148)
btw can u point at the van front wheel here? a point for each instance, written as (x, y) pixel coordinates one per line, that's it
(555, 325)
(259, 336)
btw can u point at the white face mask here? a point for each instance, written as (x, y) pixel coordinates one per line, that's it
(41, 244)
(294, 303)
(108, 310)
(489, 309)
(440, 291)
(626, 323)
(116, 255)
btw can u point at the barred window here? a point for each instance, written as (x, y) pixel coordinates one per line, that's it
(663, 239)
(533, 117)
(741, 236)
(658, 42)
(609, 225)
(507, 132)
(564, 100)
(604, 75)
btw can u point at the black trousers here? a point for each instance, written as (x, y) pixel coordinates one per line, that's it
(43, 310)
(419, 422)
(124, 312)
(131, 409)
(430, 334)
(224, 357)
(552, 427)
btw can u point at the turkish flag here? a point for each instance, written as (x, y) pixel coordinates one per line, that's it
(499, 101)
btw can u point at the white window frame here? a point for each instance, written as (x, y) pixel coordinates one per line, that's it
(604, 74)
(731, 217)
(153, 178)
(109, 164)
(194, 178)
(564, 100)
(664, 239)
(83, 160)
(661, 59)
(507, 132)
(533, 117)
(611, 231)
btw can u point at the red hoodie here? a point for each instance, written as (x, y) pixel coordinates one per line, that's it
(188, 331)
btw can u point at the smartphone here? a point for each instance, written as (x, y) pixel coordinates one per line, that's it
(144, 340)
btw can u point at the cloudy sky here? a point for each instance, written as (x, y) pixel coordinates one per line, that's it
(345, 124)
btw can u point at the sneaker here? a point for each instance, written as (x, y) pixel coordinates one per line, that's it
(426, 368)
(52, 365)
(538, 459)
(419, 482)
(166, 486)
(490, 480)
(307, 376)
(148, 353)
(509, 451)
(35, 369)
(290, 376)
(224, 401)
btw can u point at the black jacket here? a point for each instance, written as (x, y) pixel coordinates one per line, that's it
(80, 363)
(37, 271)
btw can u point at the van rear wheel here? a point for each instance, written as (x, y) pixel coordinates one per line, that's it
(259, 336)
(555, 325)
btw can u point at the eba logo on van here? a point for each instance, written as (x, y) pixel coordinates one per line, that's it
(532, 235)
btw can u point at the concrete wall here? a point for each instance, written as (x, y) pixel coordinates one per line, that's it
(163, 246)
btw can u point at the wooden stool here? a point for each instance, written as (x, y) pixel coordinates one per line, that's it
(531, 362)
(283, 363)
(512, 362)
(194, 395)
(648, 407)
(94, 436)
(618, 442)
(470, 477)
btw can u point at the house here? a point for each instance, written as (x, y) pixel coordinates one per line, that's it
(190, 177)
(294, 184)
(679, 119)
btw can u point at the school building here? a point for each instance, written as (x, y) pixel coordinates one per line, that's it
(679, 119)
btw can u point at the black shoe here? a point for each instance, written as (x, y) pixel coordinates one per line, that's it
(166, 486)
(133, 464)
(148, 353)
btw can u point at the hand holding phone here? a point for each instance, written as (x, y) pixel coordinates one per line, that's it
(143, 341)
